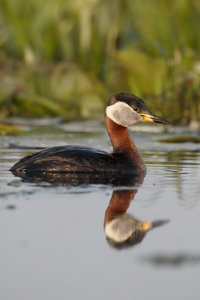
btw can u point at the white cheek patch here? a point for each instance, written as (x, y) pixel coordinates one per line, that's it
(122, 114)
(117, 230)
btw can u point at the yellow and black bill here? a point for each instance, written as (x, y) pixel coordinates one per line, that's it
(154, 118)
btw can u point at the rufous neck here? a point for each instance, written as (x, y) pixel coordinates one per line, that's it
(122, 141)
(119, 204)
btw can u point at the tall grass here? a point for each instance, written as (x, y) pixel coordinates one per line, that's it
(65, 57)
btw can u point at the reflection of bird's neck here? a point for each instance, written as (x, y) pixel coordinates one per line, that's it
(122, 142)
(119, 204)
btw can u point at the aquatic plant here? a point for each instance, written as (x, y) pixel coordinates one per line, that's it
(64, 57)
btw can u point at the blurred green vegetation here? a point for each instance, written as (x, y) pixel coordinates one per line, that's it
(66, 57)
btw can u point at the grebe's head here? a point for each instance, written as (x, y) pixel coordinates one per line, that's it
(126, 109)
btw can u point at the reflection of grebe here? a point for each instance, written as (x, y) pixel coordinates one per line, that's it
(123, 110)
(123, 230)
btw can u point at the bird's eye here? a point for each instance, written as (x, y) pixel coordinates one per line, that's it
(136, 109)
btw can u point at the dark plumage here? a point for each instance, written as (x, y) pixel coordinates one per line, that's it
(64, 159)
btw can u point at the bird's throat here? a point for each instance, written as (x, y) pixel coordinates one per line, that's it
(122, 142)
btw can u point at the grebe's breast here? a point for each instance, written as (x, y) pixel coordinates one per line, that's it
(74, 159)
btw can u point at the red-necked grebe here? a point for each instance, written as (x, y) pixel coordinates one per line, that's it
(123, 110)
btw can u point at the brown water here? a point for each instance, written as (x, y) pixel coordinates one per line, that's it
(53, 239)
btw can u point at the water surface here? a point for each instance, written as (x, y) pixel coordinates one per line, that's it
(55, 243)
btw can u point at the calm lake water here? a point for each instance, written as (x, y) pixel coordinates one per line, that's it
(67, 242)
